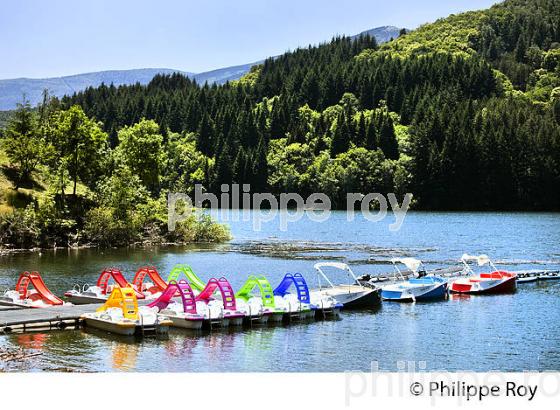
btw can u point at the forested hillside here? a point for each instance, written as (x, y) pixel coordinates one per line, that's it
(464, 113)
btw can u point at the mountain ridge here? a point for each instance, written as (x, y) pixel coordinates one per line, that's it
(13, 90)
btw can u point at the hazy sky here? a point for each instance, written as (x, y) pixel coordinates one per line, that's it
(61, 37)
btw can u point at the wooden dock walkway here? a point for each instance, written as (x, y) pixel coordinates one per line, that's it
(56, 317)
(17, 319)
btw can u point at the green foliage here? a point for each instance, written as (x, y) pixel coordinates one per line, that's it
(23, 143)
(141, 150)
(452, 35)
(185, 166)
(78, 145)
(250, 78)
(200, 228)
(18, 229)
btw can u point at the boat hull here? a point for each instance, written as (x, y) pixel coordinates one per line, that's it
(330, 313)
(276, 317)
(527, 279)
(256, 319)
(419, 293)
(183, 323)
(362, 298)
(84, 300)
(124, 329)
(490, 287)
(128, 328)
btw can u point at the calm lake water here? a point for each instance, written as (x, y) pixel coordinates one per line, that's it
(504, 332)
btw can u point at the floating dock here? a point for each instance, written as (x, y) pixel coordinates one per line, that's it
(14, 319)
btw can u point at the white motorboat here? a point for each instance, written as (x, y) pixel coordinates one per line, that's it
(351, 295)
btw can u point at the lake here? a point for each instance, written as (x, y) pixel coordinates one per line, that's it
(479, 333)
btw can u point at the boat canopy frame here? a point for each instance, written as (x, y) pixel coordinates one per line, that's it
(411, 263)
(481, 260)
(337, 265)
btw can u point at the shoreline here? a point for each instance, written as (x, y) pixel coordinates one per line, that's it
(14, 251)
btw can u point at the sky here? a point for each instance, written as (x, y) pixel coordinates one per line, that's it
(62, 37)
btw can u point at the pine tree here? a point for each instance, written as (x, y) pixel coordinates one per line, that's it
(341, 136)
(205, 132)
(361, 134)
(371, 135)
(388, 140)
(224, 174)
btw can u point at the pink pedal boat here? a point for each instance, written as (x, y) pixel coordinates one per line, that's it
(200, 311)
(182, 314)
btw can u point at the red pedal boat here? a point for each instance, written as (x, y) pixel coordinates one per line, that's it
(495, 282)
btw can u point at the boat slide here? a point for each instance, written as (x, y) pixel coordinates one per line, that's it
(121, 315)
(100, 292)
(226, 304)
(37, 297)
(196, 283)
(261, 308)
(183, 315)
(298, 305)
(157, 285)
(495, 282)
(421, 287)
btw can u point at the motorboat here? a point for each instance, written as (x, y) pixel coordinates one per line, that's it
(99, 293)
(31, 292)
(351, 295)
(121, 315)
(419, 287)
(497, 281)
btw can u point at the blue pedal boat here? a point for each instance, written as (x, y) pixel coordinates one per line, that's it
(420, 287)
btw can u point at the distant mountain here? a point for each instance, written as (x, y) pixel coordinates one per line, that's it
(382, 34)
(12, 91)
(222, 75)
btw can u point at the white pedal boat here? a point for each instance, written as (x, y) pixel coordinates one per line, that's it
(121, 315)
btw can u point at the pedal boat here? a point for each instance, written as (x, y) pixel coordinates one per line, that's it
(99, 293)
(495, 282)
(296, 306)
(258, 308)
(352, 295)
(224, 307)
(121, 315)
(215, 300)
(419, 288)
(31, 292)
(183, 314)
